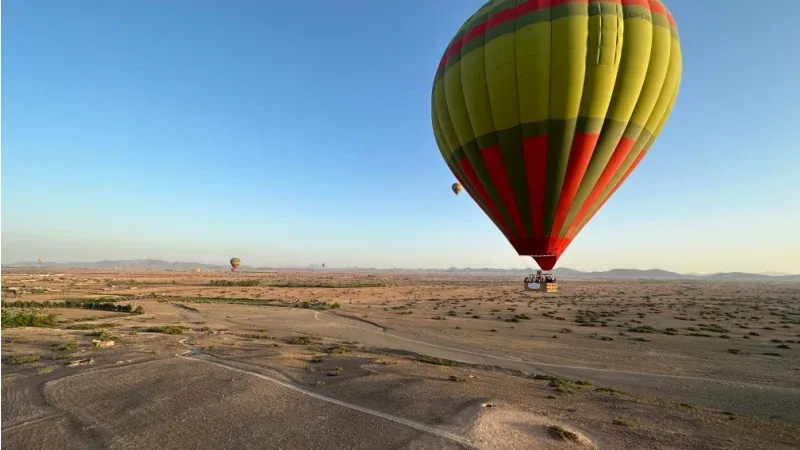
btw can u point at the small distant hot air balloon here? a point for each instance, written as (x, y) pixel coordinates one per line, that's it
(235, 264)
(456, 188)
(39, 260)
(323, 265)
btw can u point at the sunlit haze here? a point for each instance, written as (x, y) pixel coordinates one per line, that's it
(290, 134)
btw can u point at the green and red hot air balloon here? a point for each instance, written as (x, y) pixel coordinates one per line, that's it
(542, 109)
(235, 264)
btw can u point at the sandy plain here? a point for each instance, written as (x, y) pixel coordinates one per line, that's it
(261, 360)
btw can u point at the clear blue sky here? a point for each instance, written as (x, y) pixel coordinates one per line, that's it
(299, 132)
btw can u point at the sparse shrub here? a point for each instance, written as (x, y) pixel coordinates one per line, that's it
(735, 351)
(642, 329)
(562, 434)
(624, 423)
(783, 346)
(299, 340)
(16, 360)
(545, 377)
(457, 379)
(46, 370)
(69, 346)
(104, 335)
(83, 326)
(612, 391)
(336, 371)
(237, 283)
(338, 350)
(563, 386)
(436, 361)
(166, 329)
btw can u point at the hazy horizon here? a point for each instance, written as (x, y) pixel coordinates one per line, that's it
(289, 135)
(224, 263)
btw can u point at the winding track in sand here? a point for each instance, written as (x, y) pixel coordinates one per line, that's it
(766, 401)
(409, 423)
(775, 402)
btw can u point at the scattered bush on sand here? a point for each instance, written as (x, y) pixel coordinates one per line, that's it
(299, 340)
(612, 391)
(436, 361)
(236, 283)
(166, 329)
(562, 434)
(337, 350)
(69, 346)
(624, 423)
(16, 360)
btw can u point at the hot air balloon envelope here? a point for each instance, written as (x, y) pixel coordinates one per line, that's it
(542, 109)
(235, 262)
(456, 188)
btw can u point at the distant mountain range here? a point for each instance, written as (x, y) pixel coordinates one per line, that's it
(157, 264)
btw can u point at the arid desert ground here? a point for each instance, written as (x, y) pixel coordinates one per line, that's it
(346, 360)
